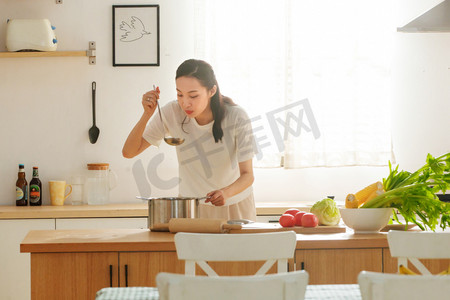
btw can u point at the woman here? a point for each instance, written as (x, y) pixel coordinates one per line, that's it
(216, 158)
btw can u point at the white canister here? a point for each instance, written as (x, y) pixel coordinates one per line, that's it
(99, 181)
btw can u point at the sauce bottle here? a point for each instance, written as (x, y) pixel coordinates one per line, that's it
(35, 189)
(21, 188)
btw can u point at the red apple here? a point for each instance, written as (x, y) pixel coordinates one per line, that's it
(287, 220)
(310, 220)
(298, 218)
(292, 211)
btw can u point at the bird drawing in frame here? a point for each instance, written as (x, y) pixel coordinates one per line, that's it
(133, 31)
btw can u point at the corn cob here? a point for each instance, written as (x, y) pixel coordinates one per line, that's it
(370, 197)
(351, 201)
(405, 271)
(365, 192)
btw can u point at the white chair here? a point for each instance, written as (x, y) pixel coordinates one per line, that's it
(200, 248)
(412, 246)
(382, 286)
(285, 286)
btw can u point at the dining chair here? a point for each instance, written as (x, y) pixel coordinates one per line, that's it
(200, 248)
(384, 286)
(284, 286)
(412, 246)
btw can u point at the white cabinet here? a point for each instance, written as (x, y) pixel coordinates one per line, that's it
(102, 223)
(15, 279)
(15, 266)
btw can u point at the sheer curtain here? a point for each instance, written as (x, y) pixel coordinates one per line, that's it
(313, 75)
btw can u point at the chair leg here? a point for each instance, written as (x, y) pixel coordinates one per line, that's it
(401, 261)
(189, 267)
(282, 265)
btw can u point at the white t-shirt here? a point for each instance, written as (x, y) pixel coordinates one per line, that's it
(205, 165)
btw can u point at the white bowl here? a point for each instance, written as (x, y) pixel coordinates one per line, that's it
(366, 220)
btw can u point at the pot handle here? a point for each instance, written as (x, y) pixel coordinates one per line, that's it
(202, 199)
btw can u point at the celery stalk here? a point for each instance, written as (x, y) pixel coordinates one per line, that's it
(413, 194)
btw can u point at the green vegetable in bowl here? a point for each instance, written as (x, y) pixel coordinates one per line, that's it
(327, 212)
(414, 194)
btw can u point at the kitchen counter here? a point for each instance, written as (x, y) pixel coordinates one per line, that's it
(74, 211)
(93, 240)
(114, 210)
(84, 261)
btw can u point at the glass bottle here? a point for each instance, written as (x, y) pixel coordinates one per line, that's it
(21, 188)
(35, 189)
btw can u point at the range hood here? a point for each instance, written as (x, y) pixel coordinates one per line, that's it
(436, 19)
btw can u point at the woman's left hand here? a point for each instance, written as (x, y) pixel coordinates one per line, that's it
(216, 198)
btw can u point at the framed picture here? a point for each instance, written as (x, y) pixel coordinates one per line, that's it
(135, 35)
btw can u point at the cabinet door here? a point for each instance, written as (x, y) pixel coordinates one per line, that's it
(102, 223)
(338, 266)
(15, 266)
(141, 268)
(435, 266)
(72, 275)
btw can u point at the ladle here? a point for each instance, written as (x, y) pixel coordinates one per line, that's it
(173, 141)
(94, 131)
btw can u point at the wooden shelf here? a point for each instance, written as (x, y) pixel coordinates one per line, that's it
(43, 54)
(86, 53)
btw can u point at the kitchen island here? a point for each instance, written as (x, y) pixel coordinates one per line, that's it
(329, 258)
(77, 263)
(16, 222)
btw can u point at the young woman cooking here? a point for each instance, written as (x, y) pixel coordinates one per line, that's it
(215, 159)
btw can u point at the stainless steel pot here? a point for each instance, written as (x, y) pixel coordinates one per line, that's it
(162, 209)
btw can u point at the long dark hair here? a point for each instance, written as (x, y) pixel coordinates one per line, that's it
(204, 73)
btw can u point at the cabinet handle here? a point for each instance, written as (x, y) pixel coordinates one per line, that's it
(126, 275)
(302, 265)
(110, 275)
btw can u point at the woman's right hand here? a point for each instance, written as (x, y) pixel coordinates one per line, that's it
(149, 101)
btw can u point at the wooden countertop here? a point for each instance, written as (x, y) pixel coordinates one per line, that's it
(39, 241)
(113, 210)
(74, 211)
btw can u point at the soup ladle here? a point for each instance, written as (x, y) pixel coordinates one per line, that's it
(173, 141)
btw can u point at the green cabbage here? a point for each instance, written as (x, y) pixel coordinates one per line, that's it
(326, 211)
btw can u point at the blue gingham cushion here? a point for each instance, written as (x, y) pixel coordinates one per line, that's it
(128, 293)
(333, 292)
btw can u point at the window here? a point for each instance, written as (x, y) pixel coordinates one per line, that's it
(314, 76)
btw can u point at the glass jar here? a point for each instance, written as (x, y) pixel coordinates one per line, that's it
(77, 196)
(99, 181)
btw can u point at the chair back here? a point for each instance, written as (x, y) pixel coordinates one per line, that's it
(412, 246)
(383, 286)
(286, 286)
(198, 248)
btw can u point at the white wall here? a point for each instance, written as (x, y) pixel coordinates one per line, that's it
(45, 104)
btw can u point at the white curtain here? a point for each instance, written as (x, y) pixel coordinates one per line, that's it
(313, 75)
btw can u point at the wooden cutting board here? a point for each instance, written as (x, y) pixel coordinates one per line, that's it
(274, 227)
